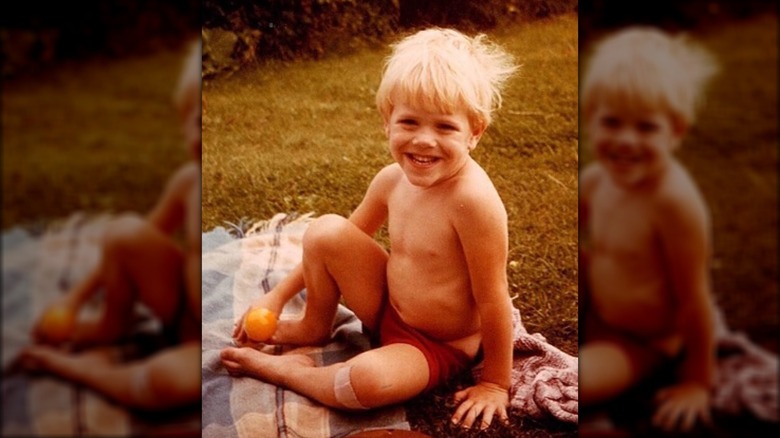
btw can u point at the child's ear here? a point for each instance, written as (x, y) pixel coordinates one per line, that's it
(476, 135)
(680, 128)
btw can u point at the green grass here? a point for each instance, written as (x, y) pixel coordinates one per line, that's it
(306, 137)
(732, 153)
(99, 135)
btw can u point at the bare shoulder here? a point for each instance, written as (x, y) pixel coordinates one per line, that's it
(389, 174)
(475, 197)
(590, 177)
(385, 181)
(680, 193)
(680, 204)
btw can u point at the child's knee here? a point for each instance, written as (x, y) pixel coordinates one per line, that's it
(123, 231)
(143, 390)
(360, 387)
(344, 389)
(324, 233)
(605, 372)
(162, 387)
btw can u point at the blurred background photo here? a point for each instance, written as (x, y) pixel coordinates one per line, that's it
(88, 119)
(90, 130)
(731, 153)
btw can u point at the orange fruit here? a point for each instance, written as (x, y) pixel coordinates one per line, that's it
(57, 324)
(260, 324)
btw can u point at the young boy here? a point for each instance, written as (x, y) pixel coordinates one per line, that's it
(141, 260)
(439, 296)
(648, 296)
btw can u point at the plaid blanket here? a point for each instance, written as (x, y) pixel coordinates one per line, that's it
(236, 270)
(37, 267)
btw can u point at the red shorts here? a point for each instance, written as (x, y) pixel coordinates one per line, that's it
(444, 361)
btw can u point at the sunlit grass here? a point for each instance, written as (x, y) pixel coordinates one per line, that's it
(732, 153)
(306, 137)
(98, 135)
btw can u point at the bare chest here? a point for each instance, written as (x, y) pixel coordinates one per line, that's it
(628, 279)
(421, 228)
(622, 227)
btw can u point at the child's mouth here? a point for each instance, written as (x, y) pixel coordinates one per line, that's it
(624, 160)
(422, 160)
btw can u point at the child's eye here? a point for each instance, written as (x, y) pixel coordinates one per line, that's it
(647, 127)
(447, 127)
(408, 122)
(610, 122)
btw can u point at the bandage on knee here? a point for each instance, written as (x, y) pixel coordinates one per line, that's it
(142, 387)
(342, 388)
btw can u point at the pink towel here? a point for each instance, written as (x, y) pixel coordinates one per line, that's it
(544, 378)
(746, 375)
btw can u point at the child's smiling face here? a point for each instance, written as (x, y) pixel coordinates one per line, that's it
(634, 146)
(430, 147)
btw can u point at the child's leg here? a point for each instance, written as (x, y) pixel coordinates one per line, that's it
(167, 379)
(610, 367)
(375, 378)
(138, 263)
(339, 260)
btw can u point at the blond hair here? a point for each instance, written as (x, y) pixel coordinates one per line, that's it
(646, 68)
(442, 69)
(188, 90)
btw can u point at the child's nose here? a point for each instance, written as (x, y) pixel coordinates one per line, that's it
(627, 138)
(424, 138)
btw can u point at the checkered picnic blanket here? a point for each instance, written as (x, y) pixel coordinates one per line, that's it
(39, 265)
(237, 268)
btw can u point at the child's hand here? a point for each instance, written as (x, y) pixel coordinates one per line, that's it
(484, 399)
(239, 334)
(681, 406)
(56, 324)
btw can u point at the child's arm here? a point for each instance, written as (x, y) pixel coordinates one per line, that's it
(685, 236)
(168, 214)
(590, 176)
(589, 179)
(482, 228)
(372, 211)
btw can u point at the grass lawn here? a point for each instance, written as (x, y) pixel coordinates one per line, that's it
(732, 153)
(305, 136)
(97, 135)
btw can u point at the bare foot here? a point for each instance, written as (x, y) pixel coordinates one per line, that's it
(266, 367)
(40, 358)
